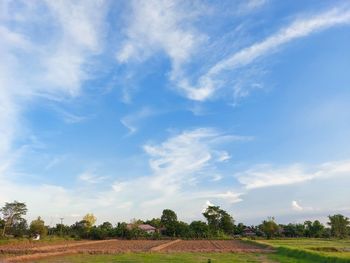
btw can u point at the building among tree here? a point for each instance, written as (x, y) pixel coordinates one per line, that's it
(144, 227)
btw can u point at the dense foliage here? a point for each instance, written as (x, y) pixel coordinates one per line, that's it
(219, 224)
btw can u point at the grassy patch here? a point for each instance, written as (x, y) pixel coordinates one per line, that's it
(311, 250)
(159, 257)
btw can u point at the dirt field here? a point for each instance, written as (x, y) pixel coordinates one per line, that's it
(32, 251)
(213, 246)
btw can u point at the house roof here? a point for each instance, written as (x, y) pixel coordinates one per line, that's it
(144, 227)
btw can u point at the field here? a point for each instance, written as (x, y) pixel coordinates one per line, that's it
(278, 250)
(313, 249)
(32, 251)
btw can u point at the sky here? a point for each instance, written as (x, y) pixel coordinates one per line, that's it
(125, 108)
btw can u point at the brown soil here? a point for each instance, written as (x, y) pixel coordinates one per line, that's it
(214, 246)
(25, 252)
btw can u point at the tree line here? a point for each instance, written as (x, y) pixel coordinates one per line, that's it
(218, 224)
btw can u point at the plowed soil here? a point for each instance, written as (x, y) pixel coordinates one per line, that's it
(214, 246)
(31, 251)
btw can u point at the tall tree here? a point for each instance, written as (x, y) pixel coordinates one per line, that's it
(90, 220)
(219, 219)
(12, 213)
(20, 228)
(313, 229)
(339, 225)
(269, 227)
(199, 229)
(169, 221)
(37, 226)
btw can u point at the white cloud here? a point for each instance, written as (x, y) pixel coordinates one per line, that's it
(216, 177)
(50, 65)
(91, 178)
(296, 206)
(169, 27)
(132, 121)
(177, 165)
(223, 156)
(266, 175)
(159, 26)
(118, 186)
(210, 82)
(179, 159)
(81, 33)
(229, 196)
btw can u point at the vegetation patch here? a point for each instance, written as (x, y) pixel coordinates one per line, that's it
(308, 255)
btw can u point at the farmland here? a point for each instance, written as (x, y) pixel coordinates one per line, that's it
(115, 250)
(30, 251)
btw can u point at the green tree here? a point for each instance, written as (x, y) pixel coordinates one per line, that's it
(155, 222)
(107, 226)
(199, 229)
(121, 230)
(61, 230)
(227, 224)
(339, 225)
(182, 229)
(38, 227)
(239, 229)
(169, 221)
(269, 227)
(219, 220)
(313, 229)
(80, 229)
(20, 228)
(12, 213)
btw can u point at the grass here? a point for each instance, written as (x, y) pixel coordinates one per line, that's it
(312, 250)
(185, 258)
(159, 257)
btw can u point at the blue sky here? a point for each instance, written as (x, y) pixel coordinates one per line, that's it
(126, 108)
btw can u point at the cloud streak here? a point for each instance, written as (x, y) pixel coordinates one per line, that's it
(268, 176)
(210, 82)
(54, 67)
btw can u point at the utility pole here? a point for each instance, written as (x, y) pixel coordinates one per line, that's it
(61, 225)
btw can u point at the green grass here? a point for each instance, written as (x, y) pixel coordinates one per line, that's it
(184, 258)
(159, 257)
(314, 250)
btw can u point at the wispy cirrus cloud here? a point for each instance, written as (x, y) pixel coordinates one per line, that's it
(50, 65)
(212, 81)
(177, 165)
(91, 178)
(267, 175)
(132, 121)
(169, 27)
(181, 158)
(163, 26)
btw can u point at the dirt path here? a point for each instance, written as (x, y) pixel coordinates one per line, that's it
(65, 246)
(35, 256)
(160, 247)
